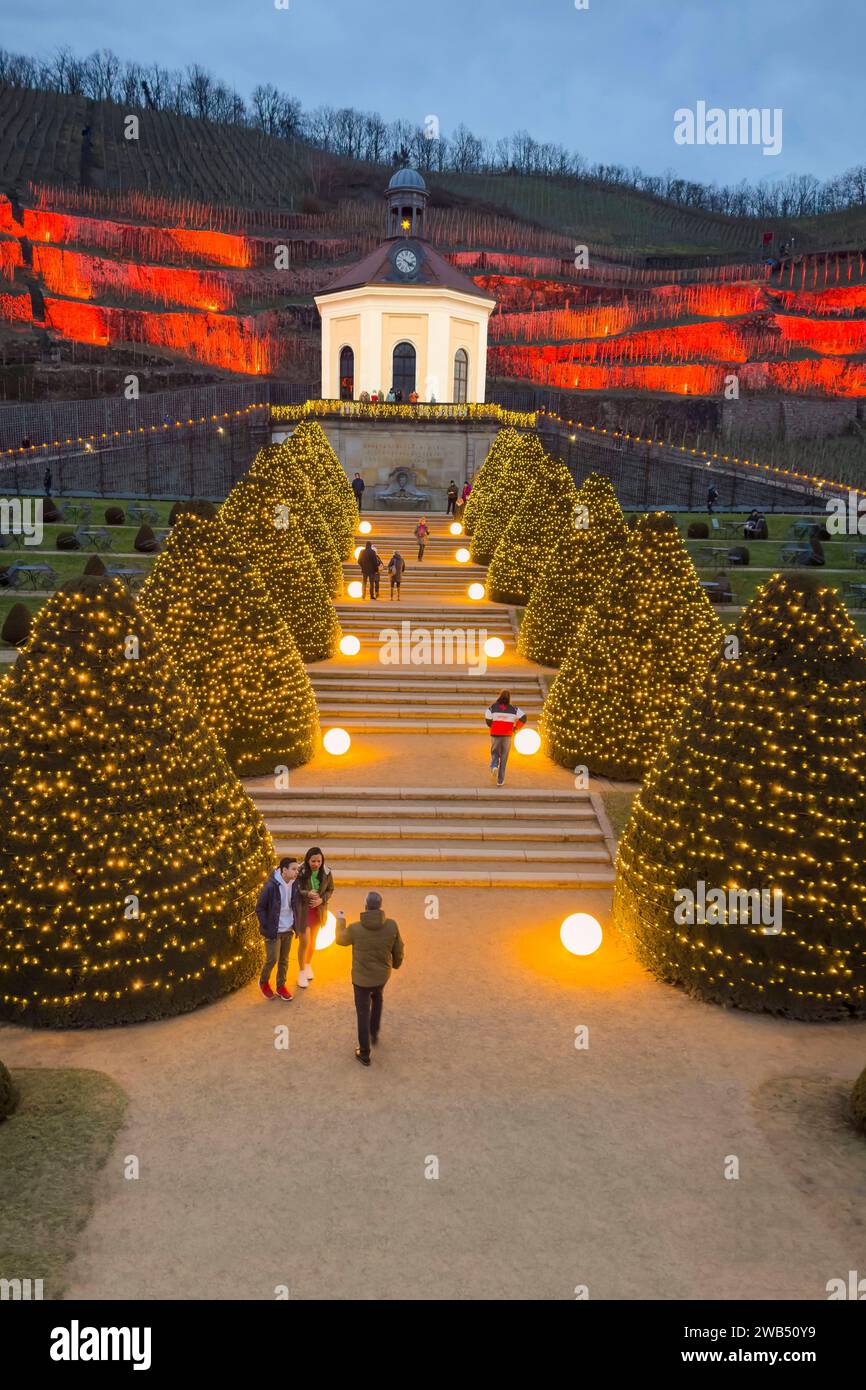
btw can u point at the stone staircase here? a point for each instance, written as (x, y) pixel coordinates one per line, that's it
(492, 837)
(418, 700)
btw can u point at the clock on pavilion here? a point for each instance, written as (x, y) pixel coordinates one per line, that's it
(404, 317)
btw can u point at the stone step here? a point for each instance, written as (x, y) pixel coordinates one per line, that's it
(384, 874)
(344, 792)
(382, 678)
(317, 808)
(336, 827)
(415, 699)
(384, 851)
(394, 724)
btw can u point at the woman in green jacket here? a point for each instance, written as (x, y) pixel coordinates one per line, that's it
(315, 886)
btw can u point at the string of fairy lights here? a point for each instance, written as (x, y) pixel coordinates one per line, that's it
(762, 786)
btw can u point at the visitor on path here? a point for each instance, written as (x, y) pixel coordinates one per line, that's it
(46, 482)
(315, 886)
(503, 720)
(452, 496)
(358, 486)
(377, 948)
(396, 569)
(422, 531)
(370, 565)
(466, 493)
(712, 498)
(277, 908)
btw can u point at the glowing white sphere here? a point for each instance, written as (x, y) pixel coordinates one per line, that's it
(476, 591)
(494, 646)
(327, 933)
(337, 741)
(365, 528)
(462, 555)
(350, 645)
(456, 528)
(358, 549)
(356, 589)
(527, 741)
(580, 934)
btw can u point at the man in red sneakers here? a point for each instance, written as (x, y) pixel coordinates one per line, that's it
(277, 909)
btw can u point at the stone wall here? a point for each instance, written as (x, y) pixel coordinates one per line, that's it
(436, 451)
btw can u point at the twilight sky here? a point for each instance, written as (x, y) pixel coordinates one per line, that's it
(605, 81)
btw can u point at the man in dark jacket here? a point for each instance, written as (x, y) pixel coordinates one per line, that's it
(377, 947)
(370, 564)
(396, 569)
(358, 486)
(452, 496)
(277, 909)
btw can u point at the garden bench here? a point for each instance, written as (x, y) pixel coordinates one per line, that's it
(801, 529)
(98, 539)
(142, 515)
(713, 554)
(793, 555)
(32, 575)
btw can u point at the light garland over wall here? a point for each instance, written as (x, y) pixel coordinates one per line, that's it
(582, 562)
(262, 525)
(762, 786)
(529, 543)
(641, 651)
(130, 855)
(231, 649)
(363, 410)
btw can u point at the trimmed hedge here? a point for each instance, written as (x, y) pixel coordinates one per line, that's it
(8, 1093)
(17, 624)
(858, 1103)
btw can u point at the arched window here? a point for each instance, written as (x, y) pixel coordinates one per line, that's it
(347, 374)
(461, 374)
(403, 372)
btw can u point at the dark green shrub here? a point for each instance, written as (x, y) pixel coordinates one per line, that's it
(114, 516)
(67, 540)
(739, 555)
(16, 627)
(94, 566)
(198, 507)
(145, 540)
(858, 1103)
(8, 1093)
(51, 513)
(698, 531)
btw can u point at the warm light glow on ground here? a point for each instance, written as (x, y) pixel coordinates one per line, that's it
(350, 645)
(462, 555)
(476, 591)
(581, 934)
(356, 589)
(456, 528)
(494, 646)
(358, 549)
(337, 742)
(327, 933)
(365, 528)
(527, 741)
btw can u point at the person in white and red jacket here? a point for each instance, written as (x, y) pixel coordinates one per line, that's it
(503, 720)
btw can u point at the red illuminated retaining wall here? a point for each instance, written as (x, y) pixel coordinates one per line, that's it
(15, 308)
(82, 276)
(833, 339)
(842, 298)
(10, 258)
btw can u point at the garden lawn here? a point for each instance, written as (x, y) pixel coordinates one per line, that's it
(51, 1152)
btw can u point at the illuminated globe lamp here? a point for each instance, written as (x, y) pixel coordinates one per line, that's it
(462, 556)
(358, 549)
(356, 589)
(327, 933)
(476, 591)
(581, 934)
(527, 741)
(456, 528)
(350, 645)
(494, 646)
(337, 742)
(365, 528)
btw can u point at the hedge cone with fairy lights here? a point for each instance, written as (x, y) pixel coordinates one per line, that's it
(525, 462)
(131, 856)
(486, 479)
(641, 651)
(582, 560)
(529, 543)
(277, 464)
(332, 491)
(232, 651)
(760, 792)
(262, 525)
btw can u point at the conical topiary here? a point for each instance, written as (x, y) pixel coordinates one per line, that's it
(486, 479)
(581, 563)
(857, 1104)
(332, 490)
(760, 789)
(130, 856)
(230, 648)
(261, 524)
(95, 565)
(525, 462)
(16, 625)
(531, 536)
(277, 464)
(640, 652)
(199, 506)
